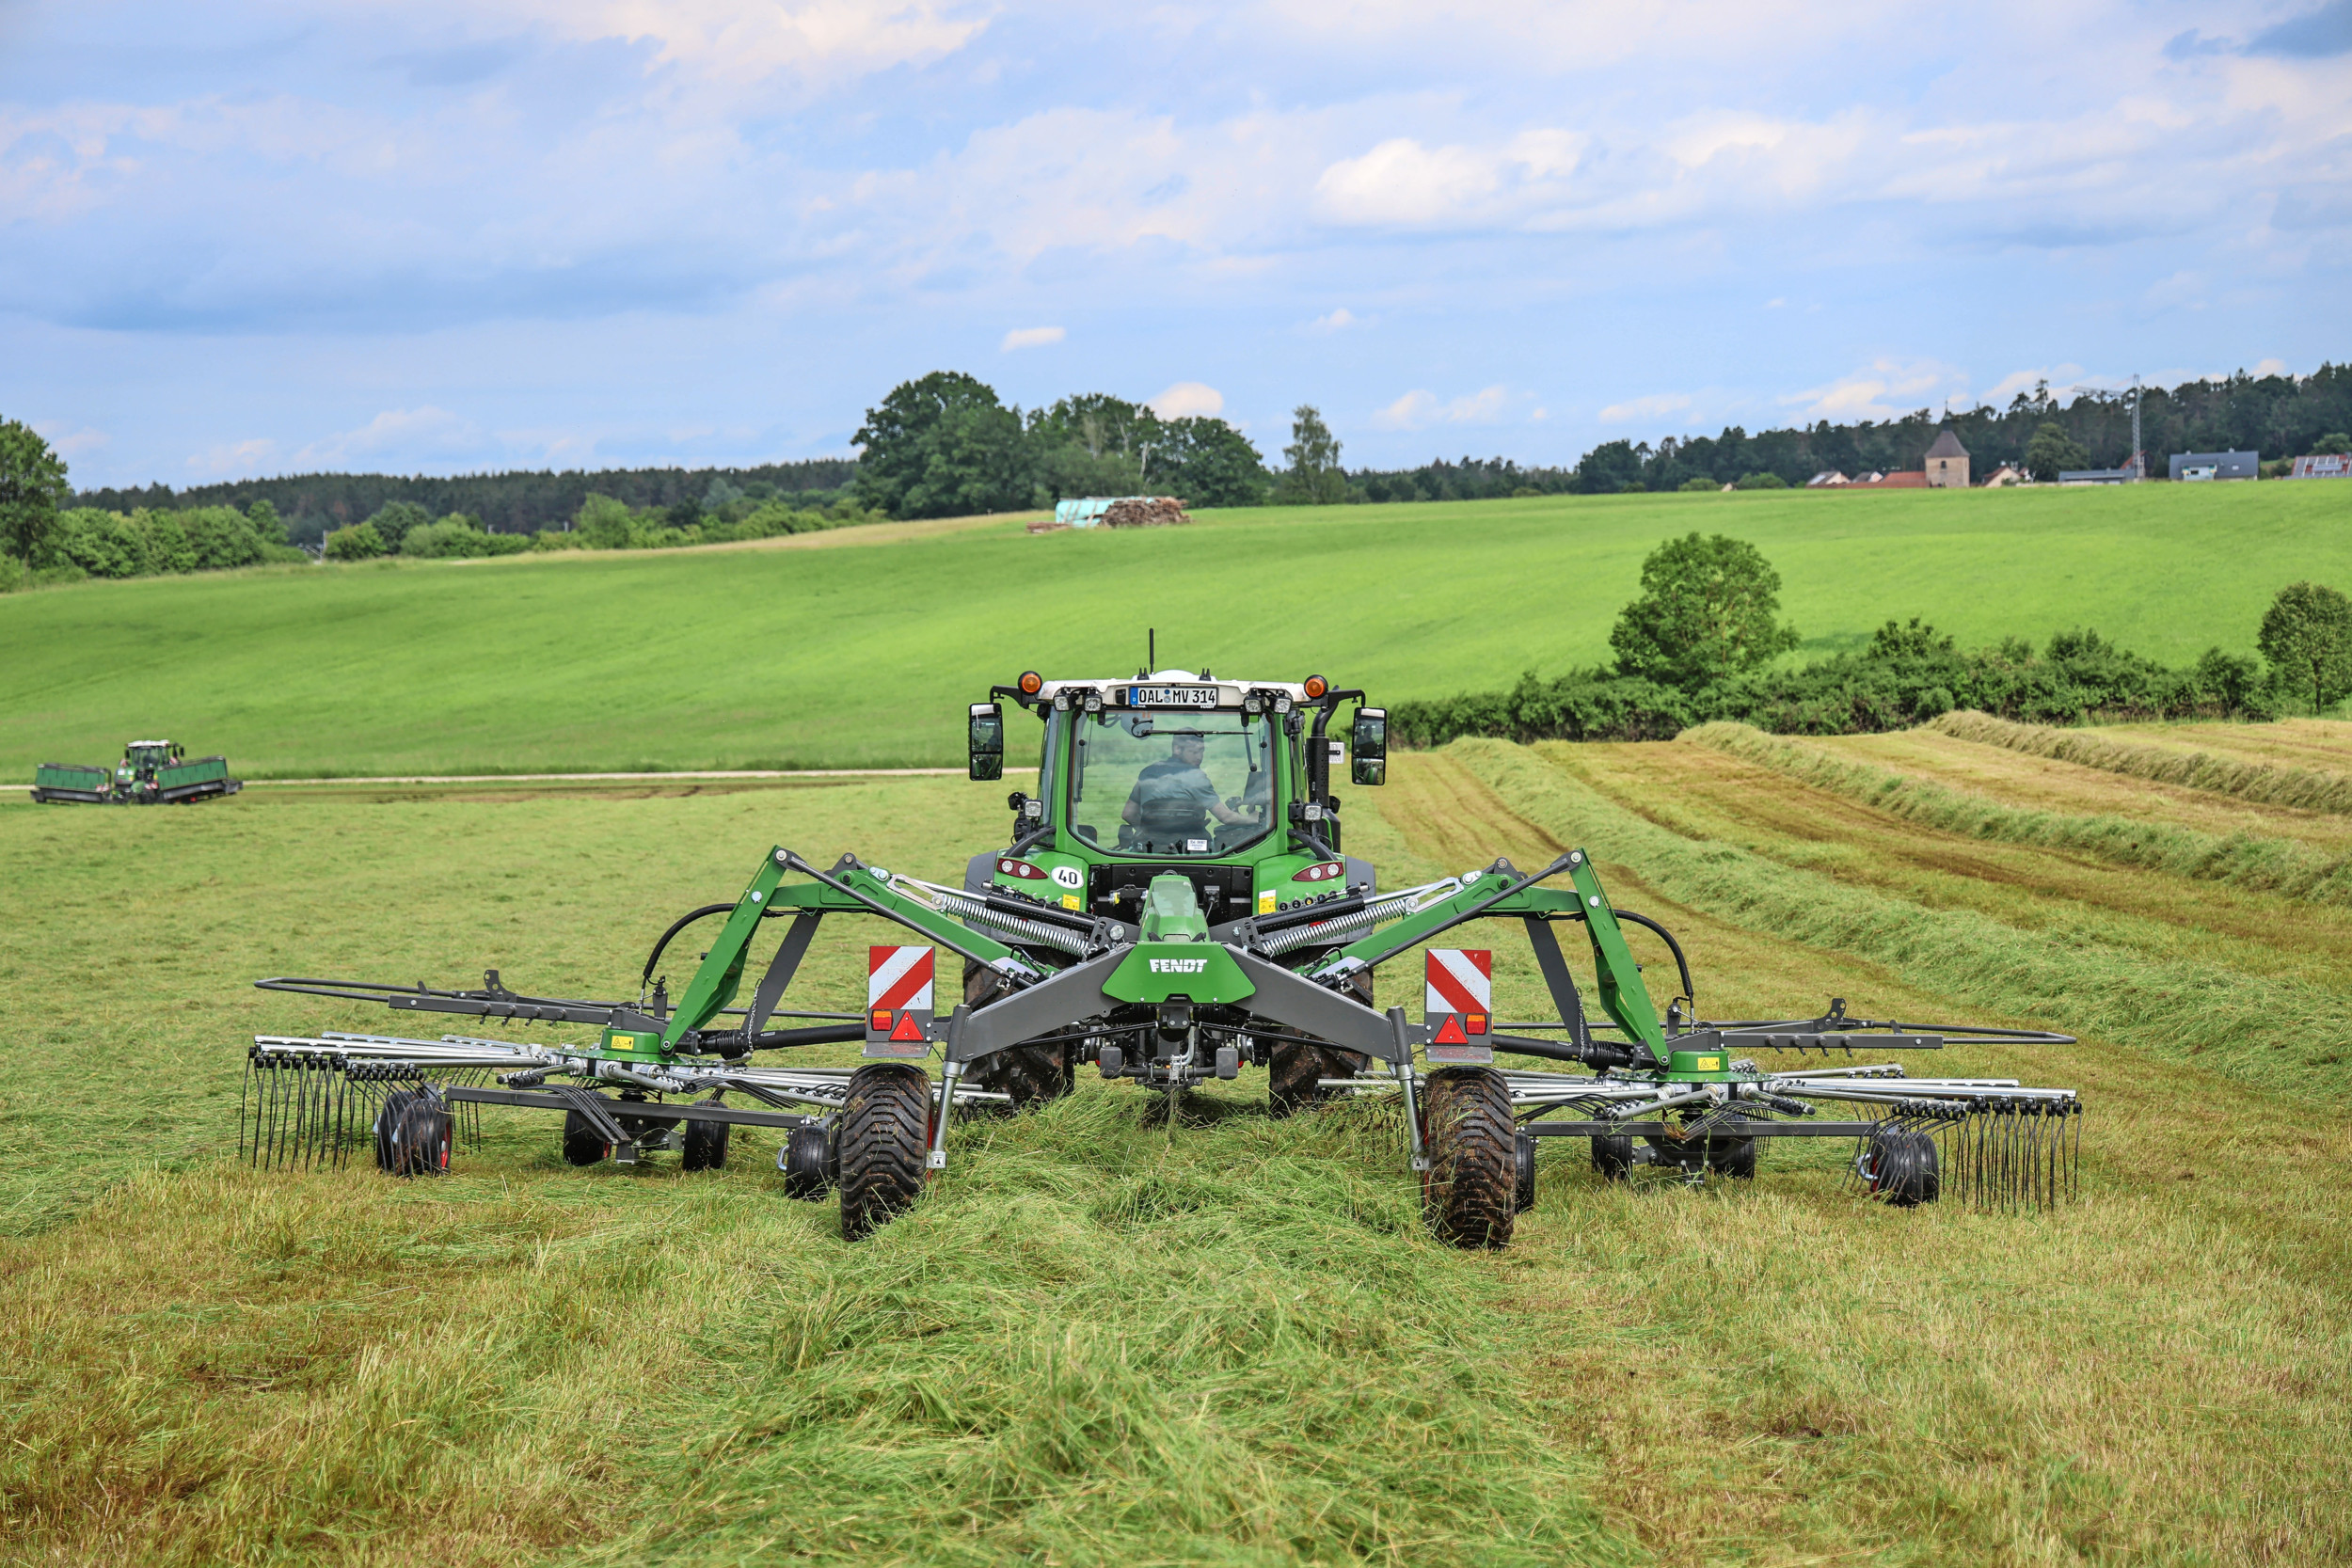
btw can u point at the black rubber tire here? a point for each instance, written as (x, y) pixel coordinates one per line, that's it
(1732, 1157)
(1031, 1074)
(1468, 1190)
(804, 1164)
(388, 1118)
(421, 1137)
(1523, 1168)
(1613, 1158)
(1904, 1169)
(705, 1142)
(583, 1143)
(885, 1139)
(1292, 1071)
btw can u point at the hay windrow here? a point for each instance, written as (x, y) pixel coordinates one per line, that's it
(2262, 782)
(2251, 861)
(2260, 1031)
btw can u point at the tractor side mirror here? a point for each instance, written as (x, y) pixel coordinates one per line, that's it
(988, 741)
(1368, 748)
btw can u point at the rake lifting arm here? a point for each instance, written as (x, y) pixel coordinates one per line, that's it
(1501, 892)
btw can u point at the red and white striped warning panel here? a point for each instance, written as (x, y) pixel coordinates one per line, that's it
(898, 1000)
(1458, 1004)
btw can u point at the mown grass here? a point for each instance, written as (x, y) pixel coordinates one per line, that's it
(863, 655)
(1093, 1342)
(2263, 782)
(2242, 859)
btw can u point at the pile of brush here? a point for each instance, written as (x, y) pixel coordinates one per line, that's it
(1114, 512)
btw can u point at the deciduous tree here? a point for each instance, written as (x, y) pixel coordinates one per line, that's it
(1314, 476)
(32, 489)
(1707, 613)
(943, 447)
(2307, 635)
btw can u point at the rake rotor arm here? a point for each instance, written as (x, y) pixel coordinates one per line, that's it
(1622, 996)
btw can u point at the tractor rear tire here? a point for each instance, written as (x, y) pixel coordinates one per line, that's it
(1904, 1169)
(1295, 1070)
(1468, 1191)
(583, 1143)
(1523, 1168)
(421, 1137)
(705, 1142)
(807, 1163)
(883, 1144)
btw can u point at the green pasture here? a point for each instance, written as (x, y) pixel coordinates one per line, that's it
(861, 653)
(1096, 1341)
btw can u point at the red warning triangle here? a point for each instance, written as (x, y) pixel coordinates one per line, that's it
(907, 1028)
(1450, 1032)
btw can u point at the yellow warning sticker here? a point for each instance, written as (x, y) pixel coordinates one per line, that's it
(1265, 903)
(1711, 1064)
(1069, 900)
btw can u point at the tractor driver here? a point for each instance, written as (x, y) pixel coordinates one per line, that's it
(1172, 796)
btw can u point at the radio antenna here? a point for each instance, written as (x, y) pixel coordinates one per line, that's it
(1150, 649)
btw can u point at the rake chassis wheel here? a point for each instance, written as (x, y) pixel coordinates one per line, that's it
(1470, 1192)
(884, 1125)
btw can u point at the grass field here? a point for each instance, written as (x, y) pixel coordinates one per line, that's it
(1096, 1342)
(783, 656)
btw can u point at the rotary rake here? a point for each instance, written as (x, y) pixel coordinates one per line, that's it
(1196, 917)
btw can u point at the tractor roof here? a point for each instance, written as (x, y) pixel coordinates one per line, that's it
(1229, 693)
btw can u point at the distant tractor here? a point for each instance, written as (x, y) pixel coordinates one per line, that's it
(152, 773)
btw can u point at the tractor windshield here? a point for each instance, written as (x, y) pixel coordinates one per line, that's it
(1180, 783)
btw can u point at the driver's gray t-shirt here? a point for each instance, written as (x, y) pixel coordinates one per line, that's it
(1173, 799)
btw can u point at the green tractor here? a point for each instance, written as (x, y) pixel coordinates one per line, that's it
(1173, 905)
(152, 773)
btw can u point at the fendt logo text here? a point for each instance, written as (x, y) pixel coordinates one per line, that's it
(1179, 966)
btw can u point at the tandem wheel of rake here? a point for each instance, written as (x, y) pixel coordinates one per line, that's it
(412, 1133)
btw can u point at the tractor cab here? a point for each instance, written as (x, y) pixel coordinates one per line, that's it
(1226, 785)
(142, 760)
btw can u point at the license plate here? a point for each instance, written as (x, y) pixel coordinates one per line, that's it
(1171, 696)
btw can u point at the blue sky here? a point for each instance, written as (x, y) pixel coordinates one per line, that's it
(266, 236)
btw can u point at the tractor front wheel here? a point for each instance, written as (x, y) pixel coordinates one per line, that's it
(1295, 1073)
(883, 1142)
(1468, 1191)
(1031, 1074)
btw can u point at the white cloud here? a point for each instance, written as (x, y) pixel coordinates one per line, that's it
(1865, 394)
(235, 457)
(69, 443)
(743, 42)
(1421, 408)
(1998, 395)
(1337, 320)
(1402, 182)
(412, 432)
(1030, 337)
(1188, 399)
(2270, 367)
(1653, 406)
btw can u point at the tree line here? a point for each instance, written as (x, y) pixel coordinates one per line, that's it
(2280, 415)
(315, 505)
(1700, 641)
